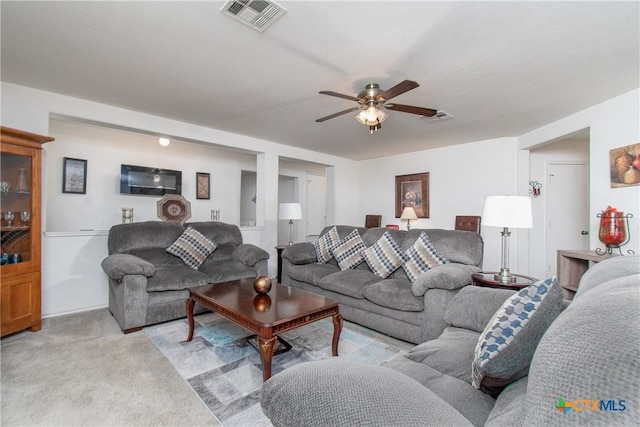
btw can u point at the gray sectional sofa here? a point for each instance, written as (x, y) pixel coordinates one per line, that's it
(148, 285)
(412, 312)
(575, 367)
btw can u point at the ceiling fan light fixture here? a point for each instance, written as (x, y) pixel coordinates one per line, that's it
(371, 116)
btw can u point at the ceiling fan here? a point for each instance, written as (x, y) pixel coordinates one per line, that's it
(373, 102)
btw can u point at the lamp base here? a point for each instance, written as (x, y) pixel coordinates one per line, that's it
(505, 276)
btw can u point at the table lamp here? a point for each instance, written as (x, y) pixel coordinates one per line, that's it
(505, 212)
(408, 214)
(290, 211)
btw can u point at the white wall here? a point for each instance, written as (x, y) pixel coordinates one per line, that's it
(613, 123)
(460, 177)
(72, 279)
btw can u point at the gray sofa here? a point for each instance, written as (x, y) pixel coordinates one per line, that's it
(582, 370)
(412, 312)
(147, 285)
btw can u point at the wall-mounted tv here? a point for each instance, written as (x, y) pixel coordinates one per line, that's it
(149, 181)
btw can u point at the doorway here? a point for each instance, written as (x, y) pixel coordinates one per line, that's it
(567, 210)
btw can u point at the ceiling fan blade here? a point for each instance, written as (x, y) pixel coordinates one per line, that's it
(339, 95)
(421, 111)
(337, 114)
(398, 89)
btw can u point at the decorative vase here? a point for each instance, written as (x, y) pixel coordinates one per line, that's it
(22, 185)
(262, 285)
(612, 228)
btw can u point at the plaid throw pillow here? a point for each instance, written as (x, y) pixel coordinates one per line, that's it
(384, 257)
(422, 256)
(325, 244)
(507, 344)
(192, 247)
(348, 252)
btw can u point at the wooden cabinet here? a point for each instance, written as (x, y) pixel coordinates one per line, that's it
(572, 265)
(20, 229)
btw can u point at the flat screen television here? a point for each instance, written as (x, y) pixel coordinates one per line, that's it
(149, 181)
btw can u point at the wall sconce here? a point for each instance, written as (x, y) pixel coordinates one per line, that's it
(535, 187)
(127, 215)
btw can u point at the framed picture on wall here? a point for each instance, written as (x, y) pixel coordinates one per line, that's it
(624, 163)
(202, 186)
(412, 191)
(74, 176)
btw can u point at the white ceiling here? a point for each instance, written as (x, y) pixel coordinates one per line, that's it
(500, 68)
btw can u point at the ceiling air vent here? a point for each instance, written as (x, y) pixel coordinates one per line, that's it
(440, 116)
(258, 14)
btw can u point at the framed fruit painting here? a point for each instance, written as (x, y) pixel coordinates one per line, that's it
(624, 164)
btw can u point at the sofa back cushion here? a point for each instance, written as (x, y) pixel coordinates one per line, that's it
(129, 238)
(226, 236)
(457, 246)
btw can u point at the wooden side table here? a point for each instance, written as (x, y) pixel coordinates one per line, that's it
(572, 265)
(488, 280)
(280, 248)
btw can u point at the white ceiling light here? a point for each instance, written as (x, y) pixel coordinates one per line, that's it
(372, 116)
(164, 142)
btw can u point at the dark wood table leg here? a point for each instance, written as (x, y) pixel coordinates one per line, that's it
(266, 347)
(190, 304)
(337, 328)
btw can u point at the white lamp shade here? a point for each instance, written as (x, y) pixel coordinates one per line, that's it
(507, 211)
(408, 213)
(290, 211)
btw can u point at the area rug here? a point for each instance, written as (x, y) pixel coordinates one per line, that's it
(224, 369)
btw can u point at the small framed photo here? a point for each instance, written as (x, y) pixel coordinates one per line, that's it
(74, 176)
(202, 186)
(412, 191)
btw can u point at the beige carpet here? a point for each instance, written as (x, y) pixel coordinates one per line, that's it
(80, 370)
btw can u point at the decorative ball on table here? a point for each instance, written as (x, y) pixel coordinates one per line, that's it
(262, 285)
(262, 303)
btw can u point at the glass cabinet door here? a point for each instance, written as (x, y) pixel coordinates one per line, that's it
(16, 208)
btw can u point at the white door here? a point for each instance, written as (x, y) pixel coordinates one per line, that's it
(316, 204)
(567, 210)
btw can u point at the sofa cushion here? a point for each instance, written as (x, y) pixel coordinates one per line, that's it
(175, 278)
(395, 294)
(324, 245)
(348, 282)
(474, 306)
(119, 265)
(451, 353)
(337, 393)
(192, 247)
(311, 273)
(348, 252)
(447, 276)
(473, 404)
(421, 257)
(507, 344)
(384, 257)
(226, 269)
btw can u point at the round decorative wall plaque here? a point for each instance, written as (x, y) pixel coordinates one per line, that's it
(174, 207)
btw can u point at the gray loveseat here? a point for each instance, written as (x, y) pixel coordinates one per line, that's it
(583, 370)
(412, 312)
(147, 285)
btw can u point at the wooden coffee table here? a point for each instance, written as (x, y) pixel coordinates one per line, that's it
(282, 309)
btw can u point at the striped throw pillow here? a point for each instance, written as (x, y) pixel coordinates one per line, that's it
(348, 252)
(384, 257)
(325, 244)
(192, 247)
(422, 256)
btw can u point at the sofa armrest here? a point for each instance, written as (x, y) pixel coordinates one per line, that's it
(300, 253)
(119, 265)
(334, 392)
(249, 254)
(447, 276)
(474, 306)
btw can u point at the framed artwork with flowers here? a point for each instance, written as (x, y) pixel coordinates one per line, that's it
(413, 191)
